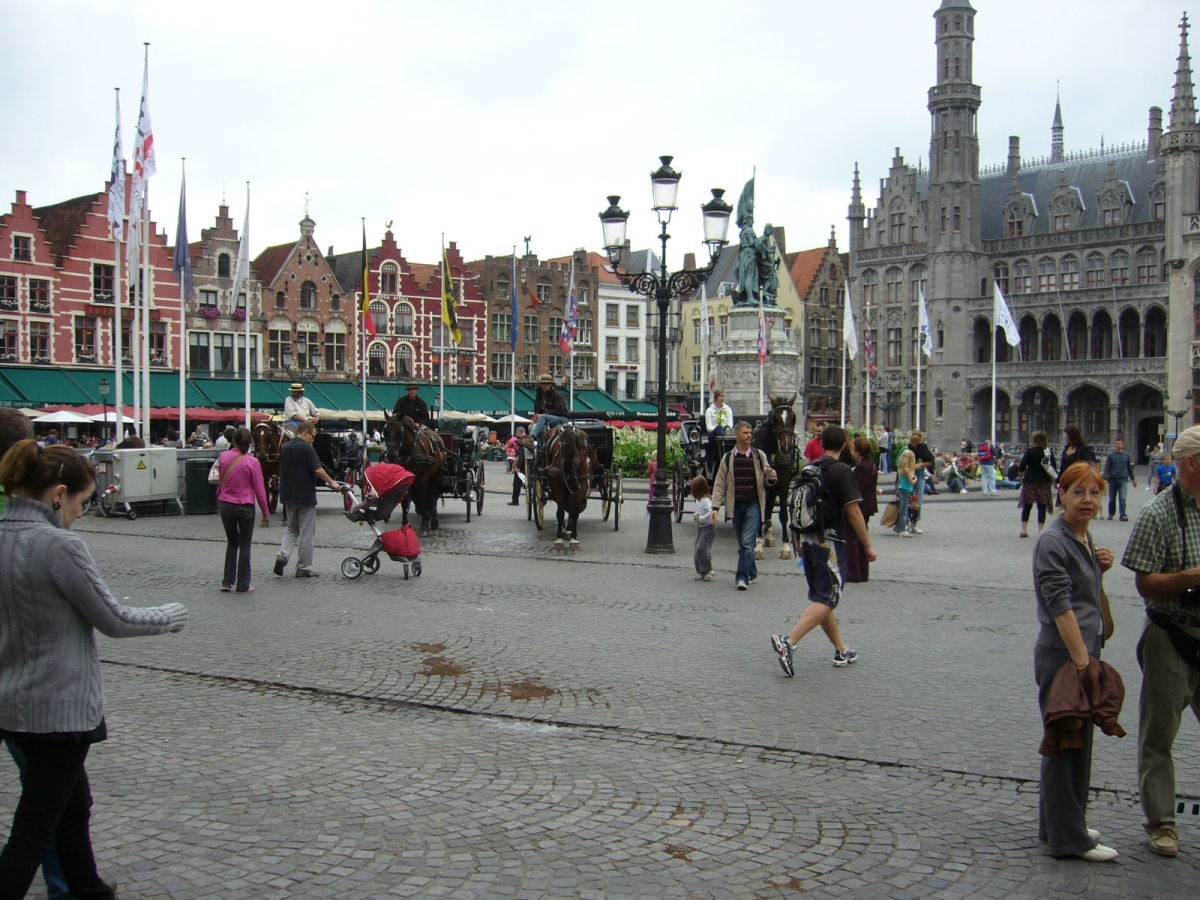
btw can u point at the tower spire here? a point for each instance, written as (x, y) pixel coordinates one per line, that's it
(1183, 102)
(1056, 130)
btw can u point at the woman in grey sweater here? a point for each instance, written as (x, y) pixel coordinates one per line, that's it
(52, 598)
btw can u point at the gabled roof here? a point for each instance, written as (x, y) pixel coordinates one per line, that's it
(803, 266)
(268, 264)
(347, 268)
(63, 221)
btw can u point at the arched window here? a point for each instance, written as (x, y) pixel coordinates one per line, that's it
(893, 282)
(404, 318)
(223, 265)
(1095, 271)
(1029, 338)
(870, 287)
(1051, 338)
(1147, 266)
(1022, 281)
(1118, 268)
(1102, 335)
(404, 361)
(1156, 332)
(1069, 273)
(308, 295)
(377, 355)
(918, 276)
(1000, 273)
(1047, 274)
(379, 316)
(389, 274)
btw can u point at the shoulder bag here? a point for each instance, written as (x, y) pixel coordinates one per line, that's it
(214, 474)
(1047, 466)
(1110, 625)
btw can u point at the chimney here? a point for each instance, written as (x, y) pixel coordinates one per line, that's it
(1154, 132)
(20, 198)
(330, 253)
(1014, 156)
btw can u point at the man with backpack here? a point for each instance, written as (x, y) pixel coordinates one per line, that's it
(822, 504)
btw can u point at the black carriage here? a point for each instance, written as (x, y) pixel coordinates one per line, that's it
(693, 440)
(343, 457)
(463, 475)
(606, 483)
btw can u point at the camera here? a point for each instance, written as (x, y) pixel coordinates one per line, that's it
(1191, 598)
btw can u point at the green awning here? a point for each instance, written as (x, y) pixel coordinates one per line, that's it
(478, 398)
(641, 407)
(601, 402)
(45, 386)
(231, 392)
(9, 395)
(339, 395)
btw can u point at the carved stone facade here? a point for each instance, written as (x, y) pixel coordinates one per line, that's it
(1091, 251)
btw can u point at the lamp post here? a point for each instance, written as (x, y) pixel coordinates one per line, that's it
(662, 287)
(1177, 414)
(103, 387)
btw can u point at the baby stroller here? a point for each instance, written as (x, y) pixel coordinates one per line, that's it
(385, 486)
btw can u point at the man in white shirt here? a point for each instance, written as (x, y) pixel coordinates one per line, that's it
(298, 409)
(718, 421)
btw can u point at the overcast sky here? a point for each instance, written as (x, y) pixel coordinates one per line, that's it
(489, 121)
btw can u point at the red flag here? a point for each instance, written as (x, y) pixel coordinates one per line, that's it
(533, 300)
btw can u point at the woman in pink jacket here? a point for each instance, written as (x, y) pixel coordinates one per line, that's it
(241, 485)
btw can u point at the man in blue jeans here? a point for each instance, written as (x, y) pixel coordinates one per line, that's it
(743, 476)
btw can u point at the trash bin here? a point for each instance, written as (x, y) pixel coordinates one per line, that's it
(201, 497)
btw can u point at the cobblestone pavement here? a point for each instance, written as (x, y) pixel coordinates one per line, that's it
(524, 722)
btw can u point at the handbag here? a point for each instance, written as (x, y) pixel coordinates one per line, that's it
(1106, 615)
(214, 473)
(891, 513)
(1048, 467)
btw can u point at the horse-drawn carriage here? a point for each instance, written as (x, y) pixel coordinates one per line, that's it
(462, 475)
(342, 456)
(577, 459)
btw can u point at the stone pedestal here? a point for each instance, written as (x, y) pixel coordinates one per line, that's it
(734, 362)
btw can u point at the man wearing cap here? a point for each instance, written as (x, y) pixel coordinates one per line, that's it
(298, 409)
(411, 405)
(1164, 554)
(549, 407)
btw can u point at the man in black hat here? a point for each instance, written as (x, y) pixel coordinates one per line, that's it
(298, 409)
(411, 405)
(549, 407)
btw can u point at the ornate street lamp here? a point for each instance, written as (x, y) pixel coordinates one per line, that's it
(662, 287)
(103, 388)
(1177, 414)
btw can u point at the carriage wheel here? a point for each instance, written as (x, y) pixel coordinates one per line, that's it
(416, 568)
(677, 491)
(537, 498)
(606, 494)
(618, 499)
(528, 496)
(105, 504)
(352, 566)
(468, 492)
(273, 493)
(370, 564)
(479, 489)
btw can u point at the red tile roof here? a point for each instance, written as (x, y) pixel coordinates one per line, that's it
(268, 264)
(63, 221)
(804, 266)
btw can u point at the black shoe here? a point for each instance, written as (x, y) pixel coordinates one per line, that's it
(280, 562)
(1123, 518)
(307, 573)
(514, 502)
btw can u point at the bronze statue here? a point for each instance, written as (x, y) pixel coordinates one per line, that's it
(758, 259)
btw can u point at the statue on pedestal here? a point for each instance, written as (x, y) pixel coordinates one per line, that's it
(758, 258)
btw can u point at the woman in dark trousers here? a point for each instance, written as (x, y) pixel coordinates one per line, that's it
(1037, 483)
(51, 701)
(241, 485)
(866, 476)
(1075, 450)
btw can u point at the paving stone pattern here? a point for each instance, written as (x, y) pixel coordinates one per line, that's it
(523, 722)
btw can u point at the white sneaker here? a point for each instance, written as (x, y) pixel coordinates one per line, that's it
(1099, 853)
(1093, 834)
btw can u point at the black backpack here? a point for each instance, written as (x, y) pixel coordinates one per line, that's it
(811, 506)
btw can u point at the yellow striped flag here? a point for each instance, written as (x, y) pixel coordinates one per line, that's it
(449, 301)
(368, 322)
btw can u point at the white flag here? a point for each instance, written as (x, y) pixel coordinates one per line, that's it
(144, 166)
(849, 333)
(923, 327)
(704, 329)
(116, 181)
(241, 272)
(1003, 317)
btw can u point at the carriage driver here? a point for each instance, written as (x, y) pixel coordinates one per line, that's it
(298, 409)
(411, 405)
(549, 409)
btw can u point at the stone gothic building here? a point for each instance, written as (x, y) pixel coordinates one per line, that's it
(1096, 253)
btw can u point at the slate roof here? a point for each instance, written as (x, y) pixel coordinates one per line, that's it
(63, 221)
(347, 268)
(1089, 176)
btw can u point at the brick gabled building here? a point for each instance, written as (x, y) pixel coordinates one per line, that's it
(542, 288)
(216, 321)
(57, 284)
(819, 275)
(406, 310)
(308, 317)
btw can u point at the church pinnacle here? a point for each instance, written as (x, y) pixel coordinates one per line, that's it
(1183, 102)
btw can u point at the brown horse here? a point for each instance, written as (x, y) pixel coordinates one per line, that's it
(420, 450)
(776, 437)
(572, 463)
(267, 438)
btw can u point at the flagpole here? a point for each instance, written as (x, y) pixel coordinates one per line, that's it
(917, 423)
(762, 358)
(995, 323)
(183, 301)
(866, 358)
(845, 364)
(703, 345)
(145, 292)
(241, 278)
(364, 306)
(442, 331)
(1117, 324)
(116, 216)
(512, 339)
(571, 355)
